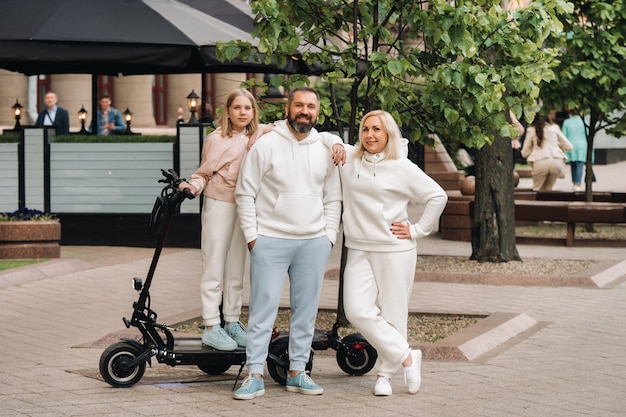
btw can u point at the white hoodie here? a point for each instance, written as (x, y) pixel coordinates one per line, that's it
(289, 189)
(377, 192)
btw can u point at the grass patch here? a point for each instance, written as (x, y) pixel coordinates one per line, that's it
(8, 264)
(559, 231)
(422, 327)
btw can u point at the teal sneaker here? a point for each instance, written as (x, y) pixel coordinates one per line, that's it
(218, 339)
(251, 387)
(303, 384)
(237, 333)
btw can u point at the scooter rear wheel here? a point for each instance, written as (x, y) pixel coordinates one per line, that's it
(355, 356)
(280, 349)
(114, 365)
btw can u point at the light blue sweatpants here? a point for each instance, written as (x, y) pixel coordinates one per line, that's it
(271, 260)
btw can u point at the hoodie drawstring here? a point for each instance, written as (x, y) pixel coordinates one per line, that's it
(376, 159)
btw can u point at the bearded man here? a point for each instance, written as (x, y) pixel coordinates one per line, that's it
(289, 202)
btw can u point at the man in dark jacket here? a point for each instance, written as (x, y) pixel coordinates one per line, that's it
(54, 116)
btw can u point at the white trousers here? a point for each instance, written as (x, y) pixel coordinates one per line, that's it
(376, 292)
(224, 255)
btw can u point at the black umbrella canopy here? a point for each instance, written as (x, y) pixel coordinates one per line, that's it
(123, 37)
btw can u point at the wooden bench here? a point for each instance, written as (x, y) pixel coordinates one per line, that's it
(570, 213)
(457, 218)
(605, 197)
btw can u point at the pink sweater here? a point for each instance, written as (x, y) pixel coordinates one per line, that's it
(219, 167)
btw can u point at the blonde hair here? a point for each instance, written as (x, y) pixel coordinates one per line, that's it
(394, 137)
(224, 121)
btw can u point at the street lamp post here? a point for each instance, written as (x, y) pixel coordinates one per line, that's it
(192, 105)
(128, 118)
(17, 113)
(82, 117)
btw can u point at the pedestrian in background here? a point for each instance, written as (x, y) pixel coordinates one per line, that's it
(53, 115)
(576, 132)
(544, 148)
(109, 120)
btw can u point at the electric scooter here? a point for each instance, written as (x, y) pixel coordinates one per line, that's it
(123, 363)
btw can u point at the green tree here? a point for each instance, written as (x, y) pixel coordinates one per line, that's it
(591, 73)
(452, 69)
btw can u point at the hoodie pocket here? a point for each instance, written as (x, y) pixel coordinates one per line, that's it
(370, 225)
(299, 213)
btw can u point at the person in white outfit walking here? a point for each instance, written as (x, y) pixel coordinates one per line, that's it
(378, 184)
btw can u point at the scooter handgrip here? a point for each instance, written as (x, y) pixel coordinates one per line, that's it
(188, 194)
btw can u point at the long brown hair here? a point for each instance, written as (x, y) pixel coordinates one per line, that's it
(539, 123)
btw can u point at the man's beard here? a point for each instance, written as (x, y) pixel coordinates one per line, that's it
(301, 127)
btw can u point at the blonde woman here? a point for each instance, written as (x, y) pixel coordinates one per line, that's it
(378, 184)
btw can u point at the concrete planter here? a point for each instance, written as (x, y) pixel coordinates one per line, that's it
(30, 239)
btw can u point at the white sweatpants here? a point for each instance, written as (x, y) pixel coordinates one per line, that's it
(376, 292)
(224, 255)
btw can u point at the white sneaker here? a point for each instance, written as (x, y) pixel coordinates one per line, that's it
(382, 387)
(412, 377)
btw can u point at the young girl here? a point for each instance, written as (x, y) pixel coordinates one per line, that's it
(224, 250)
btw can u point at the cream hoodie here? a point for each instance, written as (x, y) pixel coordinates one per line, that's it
(289, 189)
(377, 192)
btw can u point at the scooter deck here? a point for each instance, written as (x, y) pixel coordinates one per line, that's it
(190, 351)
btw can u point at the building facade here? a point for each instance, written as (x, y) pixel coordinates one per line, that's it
(153, 99)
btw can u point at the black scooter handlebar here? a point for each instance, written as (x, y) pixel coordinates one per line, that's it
(173, 180)
(188, 194)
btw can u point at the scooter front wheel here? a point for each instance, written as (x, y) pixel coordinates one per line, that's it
(355, 356)
(114, 365)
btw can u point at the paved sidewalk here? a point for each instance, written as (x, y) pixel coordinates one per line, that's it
(571, 365)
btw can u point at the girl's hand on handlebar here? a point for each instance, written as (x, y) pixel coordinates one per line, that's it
(185, 185)
(188, 189)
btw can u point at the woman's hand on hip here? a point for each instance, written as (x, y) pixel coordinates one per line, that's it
(401, 230)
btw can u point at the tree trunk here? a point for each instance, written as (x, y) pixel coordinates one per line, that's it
(493, 230)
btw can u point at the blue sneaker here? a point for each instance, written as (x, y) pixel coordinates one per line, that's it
(237, 333)
(303, 384)
(251, 387)
(218, 339)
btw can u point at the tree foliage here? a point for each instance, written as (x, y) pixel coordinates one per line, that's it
(451, 69)
(438, 68)
(591, 73)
